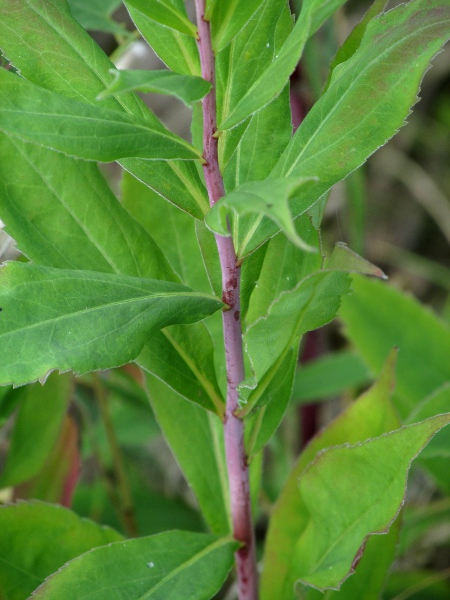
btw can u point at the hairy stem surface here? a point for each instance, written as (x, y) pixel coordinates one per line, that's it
(234, 428)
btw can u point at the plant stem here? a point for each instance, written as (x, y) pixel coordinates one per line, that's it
(237, 465)
(126, 499)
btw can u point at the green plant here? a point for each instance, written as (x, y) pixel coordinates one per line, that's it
(213, 320)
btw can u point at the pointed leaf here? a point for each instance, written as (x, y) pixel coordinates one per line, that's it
(58, 535)
(186, 88)
(344, 259)
(196, 439)
(36, 429)
(96, 15)
(378, 468)
(165, 13)
(88, 320)
(81, 130)
(269, 197)
(371, 415)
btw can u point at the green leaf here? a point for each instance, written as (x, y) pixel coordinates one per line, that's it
(435, 404)
(36, 429)
(196, 439)
(183, 357)
(250, 154)
(95, 15)
(284, 265)
(327, 548)
(329, 376)
(177, 50)
(165, 13)
(272, 397)
(62, 214)
(228, 18)
(371, 415)
(81, 130)
(89, 320)
(36, 539)
(377, 317)
(269, 197)
(159, 566)
(353, 41)
(172, 229)
(30, 28)
(259, 39)
(273, 79)
(369, 579)
(186, 88)
(311, 304)
(368, 100)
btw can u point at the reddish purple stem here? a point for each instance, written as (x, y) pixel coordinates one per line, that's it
(234, 428)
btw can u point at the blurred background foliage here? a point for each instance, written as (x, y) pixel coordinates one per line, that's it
(102, 452)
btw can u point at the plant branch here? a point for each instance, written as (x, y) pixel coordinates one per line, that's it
(237, 466)
(126, 499)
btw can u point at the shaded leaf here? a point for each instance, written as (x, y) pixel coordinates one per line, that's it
(96, 15)
(329, 375)
(36, 429)
(83, 320)
(378, 317)
(196, 439)
(58, 477)
(186, 88)
(58, 535)
(81, 130)
(166, 13)
(269, 197)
